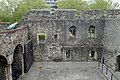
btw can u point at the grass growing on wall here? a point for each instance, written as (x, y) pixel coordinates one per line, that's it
(41, 37)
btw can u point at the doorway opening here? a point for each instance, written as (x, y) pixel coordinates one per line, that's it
(17, 62)
(93, 55)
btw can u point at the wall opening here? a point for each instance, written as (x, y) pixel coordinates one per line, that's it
(72, 31)
(17, 62)
(118, 63)
(91, 31)
(41, 38)
(3, 67)
(93, 55)
(55, 36)
(68, 56)
(103, 60)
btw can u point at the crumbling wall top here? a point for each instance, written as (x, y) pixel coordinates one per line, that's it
(115, 13)
(45, 14)
(91, 14)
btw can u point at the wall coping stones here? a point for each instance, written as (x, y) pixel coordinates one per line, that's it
(42, 14)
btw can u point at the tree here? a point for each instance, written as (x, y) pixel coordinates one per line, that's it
(12, 10)
(72, 4)
(83, 5)
(101, 5)
(27, 5)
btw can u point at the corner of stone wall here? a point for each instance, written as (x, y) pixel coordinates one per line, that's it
(115, 13)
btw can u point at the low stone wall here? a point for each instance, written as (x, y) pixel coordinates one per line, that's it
(3, 25)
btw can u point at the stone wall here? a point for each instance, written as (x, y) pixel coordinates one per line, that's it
(3, 25)
(59, 24)
(111, 39)
(36, 15)
(9, 40)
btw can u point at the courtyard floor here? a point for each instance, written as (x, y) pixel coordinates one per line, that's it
(63, 71)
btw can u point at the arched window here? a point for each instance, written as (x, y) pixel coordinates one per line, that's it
(91, 31)
(72, 31)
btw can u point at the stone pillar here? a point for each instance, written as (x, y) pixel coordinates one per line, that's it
(22, 64)
(9, 72)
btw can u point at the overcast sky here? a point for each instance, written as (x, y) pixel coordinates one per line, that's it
(112, 0)
(116, 1)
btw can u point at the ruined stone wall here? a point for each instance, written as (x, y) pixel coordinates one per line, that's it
(37, 14)
(11, 39)
(3, 25)
(41, 21)
(111, 39)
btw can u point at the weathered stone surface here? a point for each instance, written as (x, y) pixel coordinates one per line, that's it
(64, 71)
(59, 45)
(9, 40)
(3, 25)
(111, 41)
(60, 26)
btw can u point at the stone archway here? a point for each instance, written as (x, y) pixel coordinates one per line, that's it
(3, 68)
(17, 62)
(118, 63)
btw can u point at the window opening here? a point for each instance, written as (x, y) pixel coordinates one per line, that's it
(92, 31)
(72, 31)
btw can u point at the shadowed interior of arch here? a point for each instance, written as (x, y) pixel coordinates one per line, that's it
(3, 65)
(17, 62)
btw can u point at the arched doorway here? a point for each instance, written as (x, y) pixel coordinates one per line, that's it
(3, 67)
(118, 63)
(17, 62)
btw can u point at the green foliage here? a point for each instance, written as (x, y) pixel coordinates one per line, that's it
(101, 5)
(12, 10)
(83, 5)
(42, 37)
(72, 4)
(27, 5)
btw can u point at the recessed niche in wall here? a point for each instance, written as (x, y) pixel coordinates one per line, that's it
(41, 38)
(55, 36)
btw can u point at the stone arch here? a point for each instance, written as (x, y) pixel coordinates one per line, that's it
(92, 31)
(17, 62)
(118, 63)
(3, 68)
(72, 31)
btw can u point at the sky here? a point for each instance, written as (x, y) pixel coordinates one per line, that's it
(116, 1)
(112, 1)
